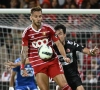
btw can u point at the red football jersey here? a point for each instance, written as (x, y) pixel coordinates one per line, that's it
(34, 39)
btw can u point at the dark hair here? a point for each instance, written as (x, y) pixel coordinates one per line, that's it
(57, 6)
(37, 8)
(60, 26)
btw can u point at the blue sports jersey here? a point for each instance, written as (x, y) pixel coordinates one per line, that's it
(24, 81)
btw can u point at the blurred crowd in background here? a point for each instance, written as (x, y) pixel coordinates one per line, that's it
(53, 4)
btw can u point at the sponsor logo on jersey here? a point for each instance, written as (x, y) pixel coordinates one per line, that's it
(44, 33)
(28, 66)
(32, 37)
(68, 50)
(70, 42)
(39, 43)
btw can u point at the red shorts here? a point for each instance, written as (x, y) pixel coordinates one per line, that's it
(51, 69)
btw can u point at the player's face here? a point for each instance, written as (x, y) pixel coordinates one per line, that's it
(36, 18)
(61, 35)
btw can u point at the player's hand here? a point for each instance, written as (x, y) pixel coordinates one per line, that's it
(11, 88)
(94, 51)
(24, 73)
(10, 64)
(67, 60)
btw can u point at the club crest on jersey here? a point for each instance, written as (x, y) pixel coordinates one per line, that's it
(44, 33)
(28, 66)
(68, 50)
(32, 37)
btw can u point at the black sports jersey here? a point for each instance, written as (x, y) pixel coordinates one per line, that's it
(71, 48)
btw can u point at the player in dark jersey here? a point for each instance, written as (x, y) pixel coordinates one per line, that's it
(71, 47)
(22, 83)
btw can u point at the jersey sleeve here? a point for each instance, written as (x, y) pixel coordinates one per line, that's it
(25, 38)
(52, 34)
(56, 49)
(78, 47)
(16, 61)
(16, 69)
(75, 46)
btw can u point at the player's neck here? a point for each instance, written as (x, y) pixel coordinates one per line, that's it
(63, 43)
(36, 27)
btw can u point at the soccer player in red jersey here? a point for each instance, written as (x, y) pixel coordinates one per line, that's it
(33, 37)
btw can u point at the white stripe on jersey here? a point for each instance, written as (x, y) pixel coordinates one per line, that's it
(49, 26)
(24, 32)
(38, 64)
(41, 63)
(33, 57)
(37, 33)
(37, 38)
(31, 48)
(35, 60)
(33, 52)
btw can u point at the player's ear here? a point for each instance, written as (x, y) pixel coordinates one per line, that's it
(31, 18)
(65, 34)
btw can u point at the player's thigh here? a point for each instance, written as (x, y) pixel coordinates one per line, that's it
(60, 80)
(42, 81)
(80, 87)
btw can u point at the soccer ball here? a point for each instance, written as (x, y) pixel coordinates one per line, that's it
(45, 52)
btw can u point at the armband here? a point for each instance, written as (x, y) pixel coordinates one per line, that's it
(22, 66)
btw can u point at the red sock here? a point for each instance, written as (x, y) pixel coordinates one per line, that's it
(67, 87)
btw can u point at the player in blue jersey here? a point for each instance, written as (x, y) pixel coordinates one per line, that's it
(21, 83)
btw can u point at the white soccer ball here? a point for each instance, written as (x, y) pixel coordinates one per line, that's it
(45, 52)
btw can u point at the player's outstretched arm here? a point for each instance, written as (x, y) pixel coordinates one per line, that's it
(12, 79)
(24, 56)
(92, 52)
(62, 51)
(11, 65)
